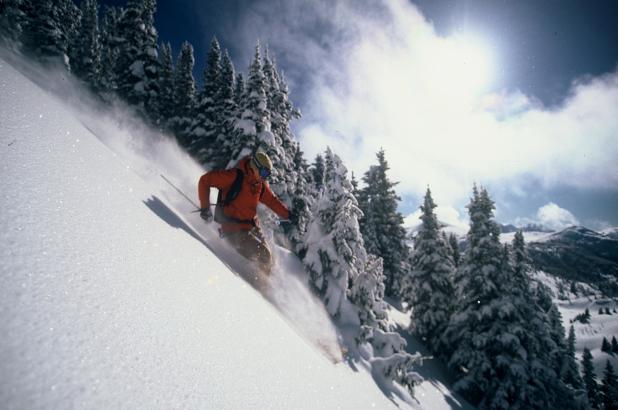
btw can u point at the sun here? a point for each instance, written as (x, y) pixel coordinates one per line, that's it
(458, 67)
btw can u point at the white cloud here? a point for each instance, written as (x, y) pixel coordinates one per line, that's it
(554, 217)
(379, 76)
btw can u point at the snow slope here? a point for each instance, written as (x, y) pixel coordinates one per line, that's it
(115, 295)
(110, 299)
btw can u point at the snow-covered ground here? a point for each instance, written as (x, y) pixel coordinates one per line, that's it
(601, 325)
(112, 291)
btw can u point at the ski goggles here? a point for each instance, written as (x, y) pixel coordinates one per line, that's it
(262, 171)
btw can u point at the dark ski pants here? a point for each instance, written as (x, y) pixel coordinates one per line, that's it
(252, 245)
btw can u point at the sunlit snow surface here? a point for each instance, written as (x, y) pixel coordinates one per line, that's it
(110, 299)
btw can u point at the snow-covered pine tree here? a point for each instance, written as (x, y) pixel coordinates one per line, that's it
(252, 130)
(382, 225)
(166, 87)
(367, 294)
(570, 372)
(454, 248)
(605, 346)
(544, 388)
(137, 65)
(355, 189)
(334, 251)
(546, 352)
(302, 200)
(388, 357)
(609, 388)
(12, 19)
(430, 292)
(521, 260)
(317, 170)
(284, 147)
(272, 84)
(184, 95)
(282, 112)
(85, 49)
(203, 134)
(484, 336)
(239, 93)
(110, 45)
(590, 380)
(226, 114)
(47, 29)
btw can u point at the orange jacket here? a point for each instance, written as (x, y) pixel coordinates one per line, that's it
(244, 207)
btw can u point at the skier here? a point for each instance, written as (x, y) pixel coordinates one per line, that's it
(240, 190)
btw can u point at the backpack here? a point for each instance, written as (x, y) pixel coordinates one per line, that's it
(231, 195)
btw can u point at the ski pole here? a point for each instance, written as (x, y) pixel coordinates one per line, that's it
(197, 208)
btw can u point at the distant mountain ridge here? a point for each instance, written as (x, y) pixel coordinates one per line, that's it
(575, 253)
(509, 228)
(581, 254)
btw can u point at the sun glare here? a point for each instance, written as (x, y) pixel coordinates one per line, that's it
(458, 67)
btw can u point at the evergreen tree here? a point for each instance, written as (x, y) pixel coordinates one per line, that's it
(12, 19)
(184, 95)
(609, 388)
(271, 85)
(355, 189)
(475, 332)
(606, 347)
(283, 150)
(137, 64)
(548, 356)
(110, 41)
(388, 358)
(47, 29)
(166, 86)
(454, 247)
(590, 381)
(253, 127)
(334, 254)
(570, 372)
(206, 115)
(614, 345)
(302, 201)
(500, 344)
(367, 293)
(223, 148)
(317, 170)
(239, 92)
(521, 260)
(85, 50)
(431, 291)
(382, 225)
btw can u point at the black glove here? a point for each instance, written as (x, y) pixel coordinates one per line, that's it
(206, 214)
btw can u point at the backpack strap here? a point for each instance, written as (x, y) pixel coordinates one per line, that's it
(230, 196)
(234, 190)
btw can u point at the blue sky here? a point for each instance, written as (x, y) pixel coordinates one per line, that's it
(520, 96)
